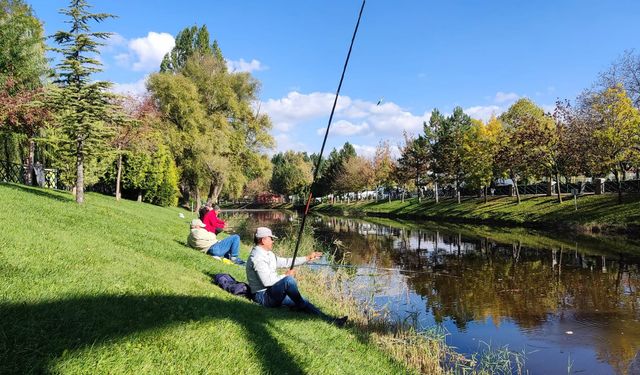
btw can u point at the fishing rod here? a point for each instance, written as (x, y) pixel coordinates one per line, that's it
(354, 266)
(326, 134)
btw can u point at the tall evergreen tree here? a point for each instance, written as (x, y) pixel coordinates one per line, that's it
(82, 103)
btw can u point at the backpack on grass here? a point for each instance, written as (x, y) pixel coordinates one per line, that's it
(229, 284)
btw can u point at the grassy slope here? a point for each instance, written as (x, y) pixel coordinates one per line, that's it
(111, 288)
(593, 210)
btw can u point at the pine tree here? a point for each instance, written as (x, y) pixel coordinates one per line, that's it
(82, 103)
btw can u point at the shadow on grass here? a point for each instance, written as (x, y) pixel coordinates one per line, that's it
(33, 335)
(51, 194)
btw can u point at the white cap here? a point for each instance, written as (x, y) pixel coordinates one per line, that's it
(262, 232)
(197, 223)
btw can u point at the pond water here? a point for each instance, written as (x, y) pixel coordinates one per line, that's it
(570, 303)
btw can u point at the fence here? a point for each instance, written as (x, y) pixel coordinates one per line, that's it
(16, 173)
(540, 188)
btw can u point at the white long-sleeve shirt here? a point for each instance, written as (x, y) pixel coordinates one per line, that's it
(261, 268)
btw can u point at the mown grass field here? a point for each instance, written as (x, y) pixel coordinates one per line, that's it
(110, 287)
(542, 211)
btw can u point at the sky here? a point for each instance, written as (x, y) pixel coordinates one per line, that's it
(414, 55)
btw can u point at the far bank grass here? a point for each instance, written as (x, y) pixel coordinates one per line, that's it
(594, 211)
(110, 287)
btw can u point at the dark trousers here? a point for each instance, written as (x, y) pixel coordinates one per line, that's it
(285, 292)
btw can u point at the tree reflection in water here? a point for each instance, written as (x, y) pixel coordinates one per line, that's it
(546, 285)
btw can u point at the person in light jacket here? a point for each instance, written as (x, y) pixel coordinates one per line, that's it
(272, 290)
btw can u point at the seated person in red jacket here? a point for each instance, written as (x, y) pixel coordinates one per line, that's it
(212, 222)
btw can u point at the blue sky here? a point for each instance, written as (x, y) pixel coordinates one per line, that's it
(417, 55)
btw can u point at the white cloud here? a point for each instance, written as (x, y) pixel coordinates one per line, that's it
(345, 128)
(297, 108)
(504, 97)
(484, 113)
(285, 142)
(147, 52)
(387, 119)
(244, 66)
(365, 151)
(134, 88)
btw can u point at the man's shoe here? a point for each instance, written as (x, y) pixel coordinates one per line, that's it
(238, 261)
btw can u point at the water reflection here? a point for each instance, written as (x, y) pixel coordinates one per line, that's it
(561, 299)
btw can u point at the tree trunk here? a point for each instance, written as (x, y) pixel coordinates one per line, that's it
(617, 175)
(435, 190)
(485, 193)
(515, 186)
(118, 177)
(80, 173)
(197, 200)
(558, 187)
(28, 173)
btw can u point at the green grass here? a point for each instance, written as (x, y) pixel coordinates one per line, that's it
(594, 211)
(110, 287)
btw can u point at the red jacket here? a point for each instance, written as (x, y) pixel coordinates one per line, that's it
(212, 222)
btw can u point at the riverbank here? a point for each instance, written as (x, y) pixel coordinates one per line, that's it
(110, 287)
(595, 213)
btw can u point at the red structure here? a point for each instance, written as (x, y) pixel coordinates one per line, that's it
(264, 198)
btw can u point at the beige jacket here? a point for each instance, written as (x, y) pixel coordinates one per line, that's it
(201, 239)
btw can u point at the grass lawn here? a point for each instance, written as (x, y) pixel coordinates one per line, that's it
(110, 287)
(593, 210)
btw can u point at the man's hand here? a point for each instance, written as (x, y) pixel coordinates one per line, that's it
(291, 273)
(313, 256)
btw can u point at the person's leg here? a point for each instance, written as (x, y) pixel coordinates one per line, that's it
(228, 247)
(285, 292)
(285, 287)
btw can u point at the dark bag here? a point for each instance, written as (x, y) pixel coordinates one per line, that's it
(228, 283)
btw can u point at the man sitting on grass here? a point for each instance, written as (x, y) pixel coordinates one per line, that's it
(273, 290)
(205, 241)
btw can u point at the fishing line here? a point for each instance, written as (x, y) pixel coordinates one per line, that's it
(400, 270)
(335, 101)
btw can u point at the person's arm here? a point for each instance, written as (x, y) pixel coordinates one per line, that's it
(286, 262)
(217, 222)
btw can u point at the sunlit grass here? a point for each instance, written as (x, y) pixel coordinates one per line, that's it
(110, 287)
(593, 211)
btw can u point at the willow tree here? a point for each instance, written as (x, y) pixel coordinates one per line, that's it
(82, 103)
(225, 136)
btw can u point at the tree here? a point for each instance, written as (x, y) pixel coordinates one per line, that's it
(291, 173)
(22, 48)
(383, 166)
(356, 175)
(519, 150)
(432, 132)
(23, 69)
(449, 150)
(82, 104)
(413, 163)
(228, 137)
(189, 42)
(133, 130)
(480, 149)
(626, 72)
(616, 132)
(24, 113)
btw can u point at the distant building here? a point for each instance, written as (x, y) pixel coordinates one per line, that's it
(266, 198)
